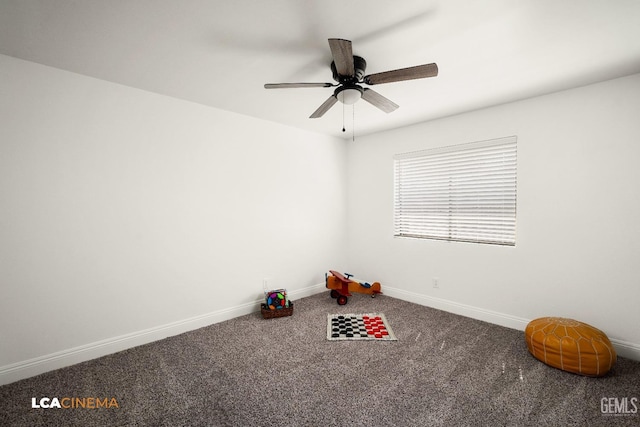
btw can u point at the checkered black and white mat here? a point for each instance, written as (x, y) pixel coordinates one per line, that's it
(370, 326)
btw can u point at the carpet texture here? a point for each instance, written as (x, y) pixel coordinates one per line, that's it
(444, 370)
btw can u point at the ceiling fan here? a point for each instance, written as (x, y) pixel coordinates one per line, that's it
(348, 70)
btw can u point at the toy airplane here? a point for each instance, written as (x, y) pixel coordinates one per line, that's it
(341, 287)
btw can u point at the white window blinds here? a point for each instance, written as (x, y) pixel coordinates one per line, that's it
(461, 193)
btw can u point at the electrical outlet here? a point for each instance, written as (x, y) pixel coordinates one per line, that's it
(436, 283)
(266, 284)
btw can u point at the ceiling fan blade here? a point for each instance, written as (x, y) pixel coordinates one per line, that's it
(324, 107)
(295, 85)
(410, 73)
(377, 100)
(342, 57)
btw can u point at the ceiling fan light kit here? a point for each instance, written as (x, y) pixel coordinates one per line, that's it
(348, 95)
(348, 70)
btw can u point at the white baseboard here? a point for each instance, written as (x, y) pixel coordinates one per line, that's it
(307, 292)
(38, 365)
(494, 317)
(623, 348)
(626, 349)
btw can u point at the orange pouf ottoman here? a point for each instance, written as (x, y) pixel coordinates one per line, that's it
(570, 345)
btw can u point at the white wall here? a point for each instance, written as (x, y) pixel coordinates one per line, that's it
(578, 232)
(126, 216)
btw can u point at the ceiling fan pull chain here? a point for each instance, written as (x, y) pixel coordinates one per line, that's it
(343, 129)
(353, 124)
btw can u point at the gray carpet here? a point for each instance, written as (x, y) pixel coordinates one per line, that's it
(444, 370)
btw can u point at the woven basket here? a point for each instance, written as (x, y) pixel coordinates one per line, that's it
(267, 313)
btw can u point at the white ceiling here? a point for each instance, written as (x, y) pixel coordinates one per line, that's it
(220, 53)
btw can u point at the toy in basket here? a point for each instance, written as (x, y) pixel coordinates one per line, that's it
(276, 304)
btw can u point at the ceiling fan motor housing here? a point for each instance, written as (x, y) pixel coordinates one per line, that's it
(359, 64)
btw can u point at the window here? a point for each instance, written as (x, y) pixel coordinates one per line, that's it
(463, 193)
